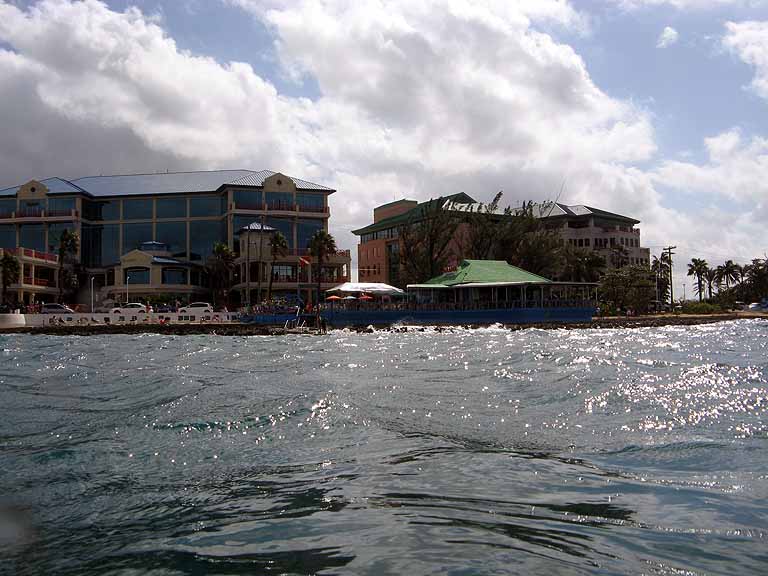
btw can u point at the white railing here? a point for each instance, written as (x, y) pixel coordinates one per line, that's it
(106, 318)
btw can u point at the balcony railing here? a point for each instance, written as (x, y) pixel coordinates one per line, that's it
(280, 207)
(39, 213)
(35, 254)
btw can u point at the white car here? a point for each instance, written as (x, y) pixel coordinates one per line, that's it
(53, 308)
(131, 308)
(196, 308)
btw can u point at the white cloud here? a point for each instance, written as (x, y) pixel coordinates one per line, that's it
(749, 41)
(667, 37)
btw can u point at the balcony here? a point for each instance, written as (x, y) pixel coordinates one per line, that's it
(42, 282)
(280, 207)
(39, 214)
(29, 254)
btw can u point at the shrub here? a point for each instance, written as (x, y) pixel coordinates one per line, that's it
(701, 308)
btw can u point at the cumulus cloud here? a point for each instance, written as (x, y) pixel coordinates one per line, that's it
(667, 37)
(749, 41)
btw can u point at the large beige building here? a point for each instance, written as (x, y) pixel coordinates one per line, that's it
(152, 234)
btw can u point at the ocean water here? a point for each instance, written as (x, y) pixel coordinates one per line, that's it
(639, 451)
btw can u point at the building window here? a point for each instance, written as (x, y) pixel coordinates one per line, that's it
(248, 199)
(279, 200)
(32, 236)
(310, 202)
(284, 273)
(285, 226)
(305, 229)
(174, 207)
(136, 276)
(203, 234)
(8, 236)
(137, 209)
(174, 234)
(134, 235)
(202, 206)
(59, 206)
(174, 276)
(111, 277)
(54, 234)
(7, 206)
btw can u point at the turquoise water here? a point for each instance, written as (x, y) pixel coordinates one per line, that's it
(466, 452)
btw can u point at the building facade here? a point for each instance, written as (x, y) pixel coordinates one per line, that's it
(152, 234)
(615, 237)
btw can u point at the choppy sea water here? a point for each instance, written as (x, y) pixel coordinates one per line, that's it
(641, 451)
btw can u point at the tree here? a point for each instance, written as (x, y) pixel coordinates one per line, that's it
(698, 268)
(484, 230)
(661, 269)
(220, 265)
(69, 244)
(321, 245)
(580, 265)
(727, 273)
(425, 242)
(619, 256)
(711, 278)
(278, 246)
(10, 270)
(628, 287)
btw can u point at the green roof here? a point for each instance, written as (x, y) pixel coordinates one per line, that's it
(486, 272)
(413, 215)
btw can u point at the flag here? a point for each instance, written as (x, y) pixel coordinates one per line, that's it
(304, 261)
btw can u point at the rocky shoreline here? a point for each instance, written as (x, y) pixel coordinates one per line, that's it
(255, 330)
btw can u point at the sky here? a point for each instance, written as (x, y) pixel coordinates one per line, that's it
(656, 109)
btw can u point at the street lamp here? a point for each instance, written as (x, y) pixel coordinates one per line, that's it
(127, 281)
(92, 279)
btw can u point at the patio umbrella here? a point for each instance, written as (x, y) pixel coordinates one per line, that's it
(366, 297)
(349, 298)
(334, 297)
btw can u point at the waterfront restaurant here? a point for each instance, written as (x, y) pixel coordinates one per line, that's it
(495, 284)
(152, 234)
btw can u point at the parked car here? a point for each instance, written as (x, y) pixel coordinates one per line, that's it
(131, 308)
(196, 308)
(53, 308)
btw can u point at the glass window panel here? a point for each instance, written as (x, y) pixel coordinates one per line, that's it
(203, 234)
(54, 234)
(206, 206)
(7, 205)
(174, 207)
(104, 210)
(136, 276)
(7, 236)
(135, 234)
(32, 236)
(175, 235)
(279, 200)
(248, 199)
(137, 209)
(285, 226)
(60, 206)
(31, 207)
(305, 229)
(310, 202)
(174, 276)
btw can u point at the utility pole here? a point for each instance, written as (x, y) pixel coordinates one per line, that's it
(669, 252)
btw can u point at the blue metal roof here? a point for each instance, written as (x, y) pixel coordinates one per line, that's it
(163, 183)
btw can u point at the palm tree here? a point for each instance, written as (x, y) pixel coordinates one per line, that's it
(10, 270)
(619, 256)
(727, 273)
(698, 268)
(320, 246)
(581, 265)
(278, 245)
(711, 277)
(69, 244)
(220, 265)
(661, 269)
